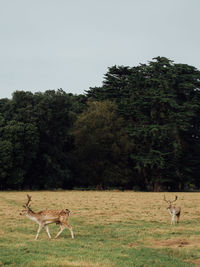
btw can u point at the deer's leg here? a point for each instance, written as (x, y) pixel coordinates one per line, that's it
(62, 227)
(173, 219)
(47, 230)
(178, 217)
(39, 229)
(71, 230)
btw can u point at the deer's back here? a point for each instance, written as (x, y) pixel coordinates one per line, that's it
(55, 216)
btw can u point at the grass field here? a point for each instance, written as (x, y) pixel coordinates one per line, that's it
(111, 229)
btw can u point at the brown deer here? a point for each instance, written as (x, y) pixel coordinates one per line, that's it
(173, 210)
(45, 217)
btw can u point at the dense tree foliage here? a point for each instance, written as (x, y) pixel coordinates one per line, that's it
(102, 146)
(36, 139)
(160, 103)
(140, 129)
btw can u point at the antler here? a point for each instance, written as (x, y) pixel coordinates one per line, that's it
(169, 201)
(29, 200)
(174, 199)
(165, 199)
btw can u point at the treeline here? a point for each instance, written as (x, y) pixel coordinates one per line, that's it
(140, 130)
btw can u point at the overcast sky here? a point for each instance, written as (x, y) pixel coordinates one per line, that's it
(69, 44)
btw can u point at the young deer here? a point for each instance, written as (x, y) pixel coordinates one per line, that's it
(45, 217)
(173, 210)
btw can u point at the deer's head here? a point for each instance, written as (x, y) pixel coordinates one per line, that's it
(169, 202)
(26, 206)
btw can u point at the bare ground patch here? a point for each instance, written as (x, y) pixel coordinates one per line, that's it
(133, 244)
(173, 243)
(194, 261)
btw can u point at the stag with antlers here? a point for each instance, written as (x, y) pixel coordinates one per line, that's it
(43, 218)
(173, 210)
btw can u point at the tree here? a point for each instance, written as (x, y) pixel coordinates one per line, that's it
(160, 102)
(53, 116)
(18, 143)
(36, 139)
(102, 146)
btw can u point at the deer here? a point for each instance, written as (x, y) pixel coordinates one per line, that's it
(173, 210)
(46, 217)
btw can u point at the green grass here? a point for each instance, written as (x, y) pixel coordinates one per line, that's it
(102, 240)
(105, 246)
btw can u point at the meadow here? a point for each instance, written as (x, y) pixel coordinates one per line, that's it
(111, 228)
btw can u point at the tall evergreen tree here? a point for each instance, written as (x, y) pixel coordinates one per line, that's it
(160, 102)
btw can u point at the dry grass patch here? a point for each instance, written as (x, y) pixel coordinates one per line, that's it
(84, 264)
(174, 243)
(196, 262)
(106, 205)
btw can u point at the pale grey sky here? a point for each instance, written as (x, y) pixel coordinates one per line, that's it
(69, 44)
